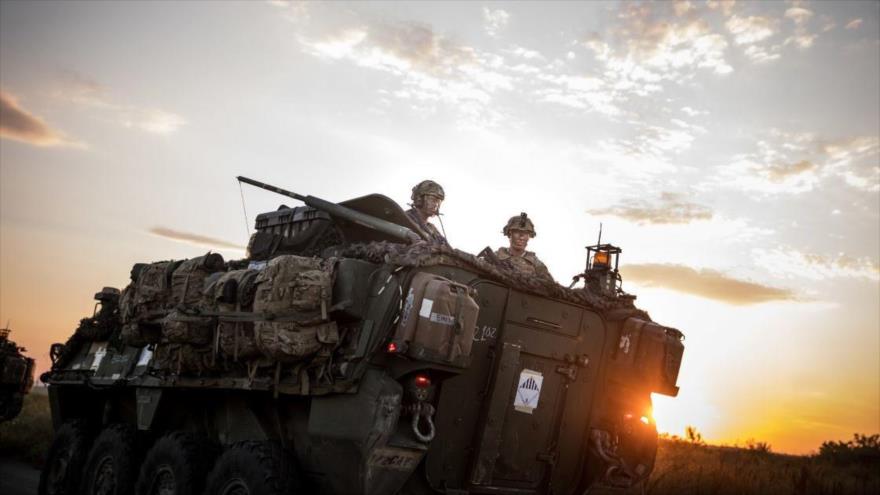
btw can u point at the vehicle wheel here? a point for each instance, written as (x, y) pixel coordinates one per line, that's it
(110, 468)
(252, 468)
(176, 465)
(10, 405)
(64, 463)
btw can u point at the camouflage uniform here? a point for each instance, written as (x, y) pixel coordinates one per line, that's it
(428, 227)
(421, 189)
(528, 263)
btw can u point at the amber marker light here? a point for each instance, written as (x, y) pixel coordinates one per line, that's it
(600, 258)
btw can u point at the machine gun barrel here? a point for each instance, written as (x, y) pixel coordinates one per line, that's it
(333, 209)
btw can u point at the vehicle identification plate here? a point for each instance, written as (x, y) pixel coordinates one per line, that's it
(391, 458)
(528, 391)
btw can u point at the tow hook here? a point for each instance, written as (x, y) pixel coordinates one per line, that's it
(423, 410)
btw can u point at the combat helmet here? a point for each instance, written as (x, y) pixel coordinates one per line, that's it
(520, 222)
(427, 187)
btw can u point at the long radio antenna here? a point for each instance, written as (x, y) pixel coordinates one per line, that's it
(247, 227)
(600, 234)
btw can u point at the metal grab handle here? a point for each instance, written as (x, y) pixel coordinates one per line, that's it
(428, 412)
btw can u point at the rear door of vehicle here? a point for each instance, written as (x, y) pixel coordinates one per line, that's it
(533, 425)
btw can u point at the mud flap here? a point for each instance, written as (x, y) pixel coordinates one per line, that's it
(147, 405)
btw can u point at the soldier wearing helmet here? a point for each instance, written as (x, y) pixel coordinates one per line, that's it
(426, 198)
(519, 230)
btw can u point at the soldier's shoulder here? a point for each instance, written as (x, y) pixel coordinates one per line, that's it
(502, 253)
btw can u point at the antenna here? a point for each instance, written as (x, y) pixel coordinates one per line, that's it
(599, 241)
(247, 227)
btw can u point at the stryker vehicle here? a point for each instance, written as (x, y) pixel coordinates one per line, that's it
(347, 355)
(16, 376)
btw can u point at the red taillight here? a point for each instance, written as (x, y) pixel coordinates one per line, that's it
(422, 381)
(392, 347)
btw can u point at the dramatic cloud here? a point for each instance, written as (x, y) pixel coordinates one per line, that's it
(82, 90)
(18, 124)
(495, 20)
(433, 69)
(791, 162)
(670, 209)
(194, 239)
(710, 284)
(791, 263)
(643, 48)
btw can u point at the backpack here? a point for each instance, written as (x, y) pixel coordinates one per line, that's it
(188, 280)
(292, 296)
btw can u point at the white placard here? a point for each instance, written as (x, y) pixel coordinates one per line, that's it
(256, 265)
(99, 356)
(146, 354)
(425, 310)
(528, 391)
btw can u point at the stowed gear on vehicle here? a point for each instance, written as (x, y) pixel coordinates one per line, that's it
(345, 356)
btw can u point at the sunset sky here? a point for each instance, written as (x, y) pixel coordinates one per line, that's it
(730, 148)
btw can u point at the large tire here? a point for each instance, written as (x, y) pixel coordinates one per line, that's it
(176, 465)
(112, 464)
(10, 405)
(252, 468)
(65, 461)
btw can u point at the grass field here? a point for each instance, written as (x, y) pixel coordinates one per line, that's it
(27, 437)
(682, 467)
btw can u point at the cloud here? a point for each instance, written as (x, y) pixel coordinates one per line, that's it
(197, 239)
(705, 283)
(790, 263)
(751, 29)
(18, 124)
(792, 162)
(432, 68)
(152, 120)
(671, 208)
(84, 91)
(494, 21)
(644, 48)
(853, 24)
(800, 16)
(726, 6)
(691, 112)
(855, 160)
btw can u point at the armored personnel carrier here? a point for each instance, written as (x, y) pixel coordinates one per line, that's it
(347, 355)
(16, 376)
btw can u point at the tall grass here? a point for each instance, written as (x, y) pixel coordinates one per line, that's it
(684, 467)
(27, 437)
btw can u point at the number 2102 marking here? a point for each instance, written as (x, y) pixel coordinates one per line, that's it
(485, 333)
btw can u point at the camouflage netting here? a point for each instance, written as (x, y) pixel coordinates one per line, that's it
(423, 254)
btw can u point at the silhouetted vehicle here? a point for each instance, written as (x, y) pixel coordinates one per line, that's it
(16, 376)
(345, 355)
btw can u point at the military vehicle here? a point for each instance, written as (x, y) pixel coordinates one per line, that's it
(16, 376)
(346, 354)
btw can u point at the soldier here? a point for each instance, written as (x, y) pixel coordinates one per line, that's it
(519, 230)
(427, 196)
